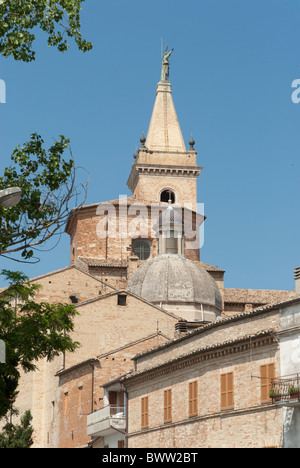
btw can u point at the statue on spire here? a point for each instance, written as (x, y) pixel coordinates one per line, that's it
(165, 65)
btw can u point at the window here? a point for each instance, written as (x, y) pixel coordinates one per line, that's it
(145, 412)
(227, 400)
(167, 195)
(193, 398)
(113, 400)
(267, 373)
(168, 406)
(141, 248)
(171, 243)
(122, 300)
(74, 299)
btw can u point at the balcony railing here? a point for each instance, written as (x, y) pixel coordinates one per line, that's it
(286, 389)
(106, 419)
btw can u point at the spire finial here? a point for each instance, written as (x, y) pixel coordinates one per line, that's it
(166, 65)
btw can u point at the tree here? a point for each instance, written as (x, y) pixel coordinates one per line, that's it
(48, 184)
(59, 19)
(31, 331)
(18, 436)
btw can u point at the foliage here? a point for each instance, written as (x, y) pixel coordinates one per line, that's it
(31, 331)
(47, 182)
(59, 19)
(17, 436)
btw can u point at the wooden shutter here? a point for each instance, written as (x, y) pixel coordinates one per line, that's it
(267, 373)
(168, 406)
(193, 398)
(121, 402)
(227, 391)
(145, 412)
(113, 398)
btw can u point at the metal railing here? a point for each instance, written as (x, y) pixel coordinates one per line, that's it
(285, 389)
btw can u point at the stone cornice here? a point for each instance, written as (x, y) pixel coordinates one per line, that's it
(161, 170)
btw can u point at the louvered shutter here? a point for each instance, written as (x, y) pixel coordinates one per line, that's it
(227, 391)
(267, 373)
(168, 405)
(193, 398)
(145, 412)
(230, 402)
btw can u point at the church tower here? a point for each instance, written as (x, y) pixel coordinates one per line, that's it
(163, 169)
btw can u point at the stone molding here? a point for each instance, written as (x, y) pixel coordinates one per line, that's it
(202, 355)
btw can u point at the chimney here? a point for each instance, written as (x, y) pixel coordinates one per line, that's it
(297, 280)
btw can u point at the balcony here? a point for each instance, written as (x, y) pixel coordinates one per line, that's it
(106, 421)
(286, 391)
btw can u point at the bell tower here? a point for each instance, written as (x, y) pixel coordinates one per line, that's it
(163, 169)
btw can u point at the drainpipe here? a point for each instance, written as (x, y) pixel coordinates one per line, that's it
(93, 376)
(126, 430)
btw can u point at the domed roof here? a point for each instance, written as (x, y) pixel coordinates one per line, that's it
(174, 278)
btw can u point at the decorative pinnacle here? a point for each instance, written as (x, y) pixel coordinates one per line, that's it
(192, 143)
(143, 140)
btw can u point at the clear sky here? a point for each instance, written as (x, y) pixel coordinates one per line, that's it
(231, 72)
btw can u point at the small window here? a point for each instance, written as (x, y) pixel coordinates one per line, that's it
(141, 248)
(145, 412)
(171, 243)
(267, 373)
(168, 406)
(74, 299)
(193, 398)
(167, 195)
(227, 396)
(122, 300)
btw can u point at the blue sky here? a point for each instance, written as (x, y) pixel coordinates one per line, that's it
(231, 72)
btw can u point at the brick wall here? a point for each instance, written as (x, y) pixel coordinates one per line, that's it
(81, 391)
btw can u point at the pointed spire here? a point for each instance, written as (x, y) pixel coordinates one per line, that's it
(164, 132)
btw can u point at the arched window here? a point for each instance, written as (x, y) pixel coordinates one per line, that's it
(167, 195)
(141, 248)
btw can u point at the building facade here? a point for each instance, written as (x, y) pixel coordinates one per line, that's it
(212, 388)
(138, 283)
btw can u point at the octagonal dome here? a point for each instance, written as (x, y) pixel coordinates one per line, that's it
(178, 285)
